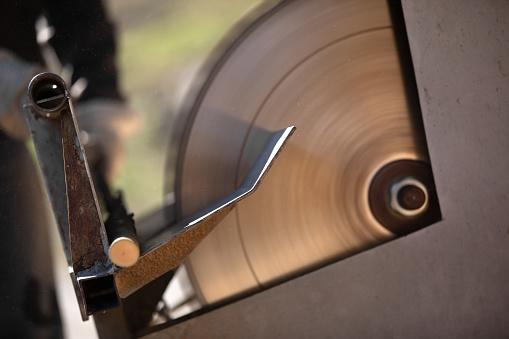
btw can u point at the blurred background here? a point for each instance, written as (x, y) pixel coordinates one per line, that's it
(161, 45)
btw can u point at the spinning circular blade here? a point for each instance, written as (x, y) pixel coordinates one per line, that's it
(332, 69)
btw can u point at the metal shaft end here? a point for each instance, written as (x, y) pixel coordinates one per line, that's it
(409, 197)
(48, 94)
(124, 252)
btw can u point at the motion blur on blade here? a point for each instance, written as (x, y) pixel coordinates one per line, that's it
(355, 174)
(334, 70)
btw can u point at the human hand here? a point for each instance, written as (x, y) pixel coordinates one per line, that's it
(105, 125)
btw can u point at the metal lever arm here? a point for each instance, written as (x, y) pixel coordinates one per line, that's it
(167, 250)
(72, 195)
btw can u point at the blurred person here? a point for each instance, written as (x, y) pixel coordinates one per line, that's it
(82, 37)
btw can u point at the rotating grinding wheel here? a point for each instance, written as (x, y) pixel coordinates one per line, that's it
(333, 69)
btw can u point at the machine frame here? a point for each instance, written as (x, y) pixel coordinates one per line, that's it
(446, 280)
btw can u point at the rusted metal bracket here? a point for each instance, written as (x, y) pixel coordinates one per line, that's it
(98, 283)
(69, 185)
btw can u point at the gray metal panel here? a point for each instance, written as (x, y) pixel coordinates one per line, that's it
(450, 280)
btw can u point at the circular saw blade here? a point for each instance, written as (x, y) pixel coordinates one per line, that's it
(332, 69)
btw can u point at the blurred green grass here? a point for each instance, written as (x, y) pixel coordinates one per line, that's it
(159, 42)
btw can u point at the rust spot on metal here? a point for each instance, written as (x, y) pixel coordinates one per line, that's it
(166, 257)
(84, 220)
